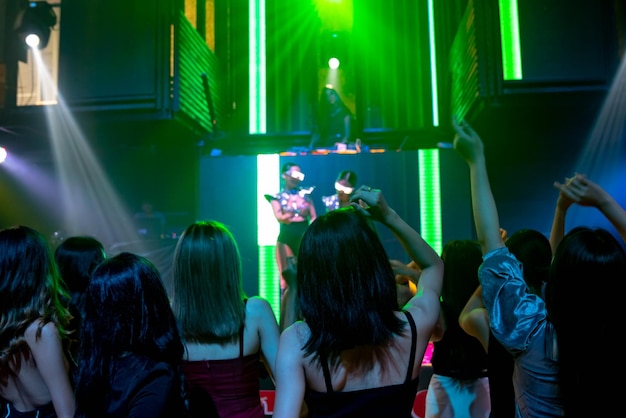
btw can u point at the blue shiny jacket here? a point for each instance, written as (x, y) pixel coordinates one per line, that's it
(519, 320)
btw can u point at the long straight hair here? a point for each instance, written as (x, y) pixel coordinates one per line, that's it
(346, 287)
(585, 303)
(208, 285)
(461, 259)
(127, 311)
(76, 258)
(30, 290)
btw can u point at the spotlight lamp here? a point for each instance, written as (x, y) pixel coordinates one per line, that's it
(34, 22)
(3, 154)
(334, 49)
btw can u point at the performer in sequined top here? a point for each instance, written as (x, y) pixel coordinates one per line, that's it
(344, 185)
(294, 210)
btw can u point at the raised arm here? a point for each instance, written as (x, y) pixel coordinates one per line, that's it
(470, 147)
(514, 313)
(426, 259)
(563, 202)
(585, 192)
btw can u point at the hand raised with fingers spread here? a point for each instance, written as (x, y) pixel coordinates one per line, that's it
(579, 189)
(566, 197)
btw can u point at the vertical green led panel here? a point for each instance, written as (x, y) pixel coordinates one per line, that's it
(257, 69)
(268, 182)
(269, 284)
(509, 33)
(430, 198)
(433, 63)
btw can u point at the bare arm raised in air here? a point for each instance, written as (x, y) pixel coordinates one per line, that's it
(557, 232)
(514, 313)
(426, 299)
(470, 147)
(579, 189)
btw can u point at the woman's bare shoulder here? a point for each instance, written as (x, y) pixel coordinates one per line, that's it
(257, 305)
(259, 312)
(298, 332)
(49, 331)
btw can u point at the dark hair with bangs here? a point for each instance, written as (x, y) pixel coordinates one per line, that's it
(346, 287)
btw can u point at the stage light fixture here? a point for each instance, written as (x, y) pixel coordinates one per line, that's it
(334, 49)
(33, 24)
(3, 154)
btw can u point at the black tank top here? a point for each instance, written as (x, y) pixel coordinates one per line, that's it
(386, 401)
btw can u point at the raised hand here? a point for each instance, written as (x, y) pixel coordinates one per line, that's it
(467, 142)
(371, 202)
(579, 189)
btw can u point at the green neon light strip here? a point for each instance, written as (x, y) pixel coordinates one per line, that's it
(268, 181)
(510, 38)
(433, 63)
(430, 198)
(257, 75)
(269, 287)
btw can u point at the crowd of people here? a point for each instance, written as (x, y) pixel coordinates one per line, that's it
(84, 334)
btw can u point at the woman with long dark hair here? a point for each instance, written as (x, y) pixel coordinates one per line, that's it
(34, 371)
(129, 363)
(226, 333)
(77, 257)
(356, 353)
